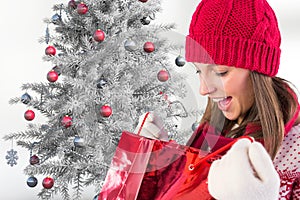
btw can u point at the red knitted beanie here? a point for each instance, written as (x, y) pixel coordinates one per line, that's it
(239, 33)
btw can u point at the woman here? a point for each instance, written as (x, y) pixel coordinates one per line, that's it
(235, 47)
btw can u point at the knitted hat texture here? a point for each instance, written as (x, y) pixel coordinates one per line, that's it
(239, 33)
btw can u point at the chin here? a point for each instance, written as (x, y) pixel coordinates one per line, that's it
(230, 116)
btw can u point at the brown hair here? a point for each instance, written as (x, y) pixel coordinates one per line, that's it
(274, 105)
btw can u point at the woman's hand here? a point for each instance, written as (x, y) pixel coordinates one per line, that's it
(245, 172)
(152, 127)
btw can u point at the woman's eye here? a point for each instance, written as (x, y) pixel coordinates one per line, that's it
(198, 71)
(221, 73)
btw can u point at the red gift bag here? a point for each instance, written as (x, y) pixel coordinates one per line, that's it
(127, 168)
(146, 169)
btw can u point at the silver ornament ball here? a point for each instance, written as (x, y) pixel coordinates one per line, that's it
(78, 141)
(130, 45)
(195, 126)
(180, 61)
(56, 18)
(101, 83)
(25, 98)
(32, 181)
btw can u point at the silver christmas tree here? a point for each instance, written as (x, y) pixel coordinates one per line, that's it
(110, 66)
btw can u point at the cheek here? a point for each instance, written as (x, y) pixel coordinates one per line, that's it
(237, 85)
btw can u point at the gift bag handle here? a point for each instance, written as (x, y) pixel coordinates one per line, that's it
(144, 120)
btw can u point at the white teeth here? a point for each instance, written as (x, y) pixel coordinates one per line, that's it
(218, 99)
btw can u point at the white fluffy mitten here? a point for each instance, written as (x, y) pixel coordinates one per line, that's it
(152, 127)
(245, 172)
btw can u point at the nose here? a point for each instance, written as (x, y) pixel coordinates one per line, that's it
(206, 88)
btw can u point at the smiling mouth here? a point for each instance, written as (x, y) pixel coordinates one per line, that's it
(218, 99)
(223, 103)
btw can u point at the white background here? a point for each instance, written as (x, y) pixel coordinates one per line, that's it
(21, 62)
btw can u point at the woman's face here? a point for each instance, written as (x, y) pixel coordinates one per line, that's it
(229, 87)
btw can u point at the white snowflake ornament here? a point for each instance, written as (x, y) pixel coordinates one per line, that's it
(12, 157)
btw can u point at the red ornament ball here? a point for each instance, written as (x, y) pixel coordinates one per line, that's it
(34, 160)
(50, 51)
(48, 182)
(144, 1)
(99, 35)
(163, 75)
(66, 121)
(82, 8)
(105, 111)
(52, 76)
(149, 47)
(72, 4)
(29, 115)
